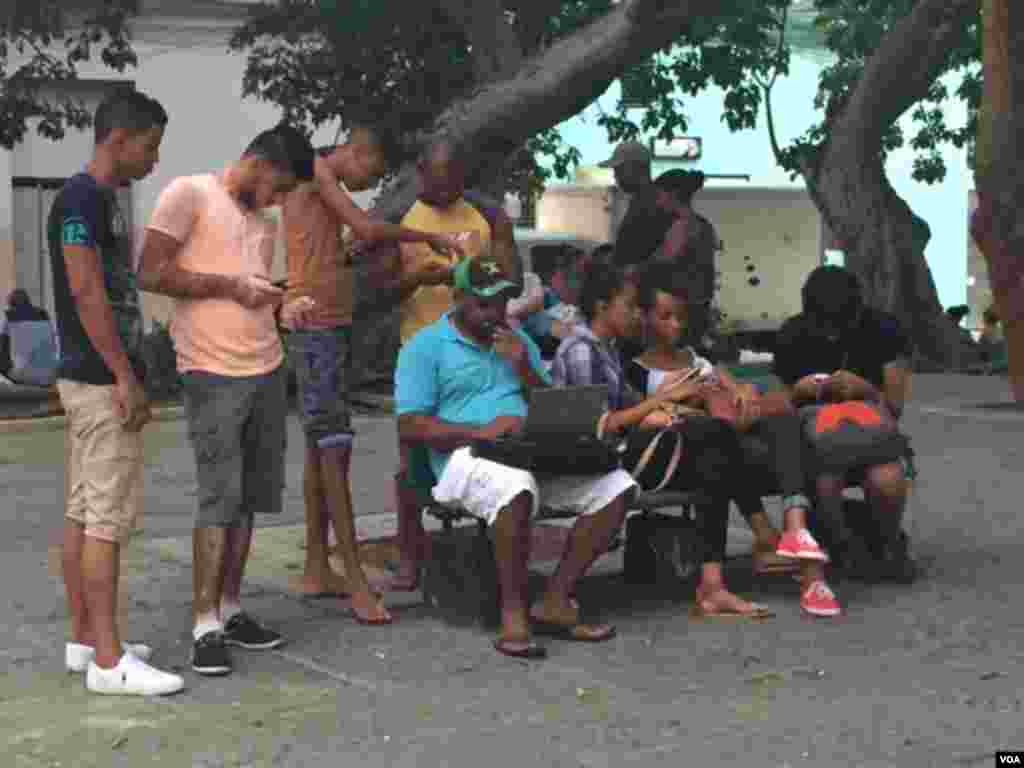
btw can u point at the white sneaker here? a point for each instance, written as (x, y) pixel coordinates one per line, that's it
(78, 656)
(131, 677)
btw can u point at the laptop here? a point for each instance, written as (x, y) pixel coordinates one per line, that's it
(560, 412)
(560, 434)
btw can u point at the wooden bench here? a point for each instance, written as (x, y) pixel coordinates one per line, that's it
(460, 581)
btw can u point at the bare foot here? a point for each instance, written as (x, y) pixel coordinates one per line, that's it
(553, 611)
(369, 608)
(721, 602)
(330, 584)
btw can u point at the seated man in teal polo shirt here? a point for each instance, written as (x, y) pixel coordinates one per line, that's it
(463, 378)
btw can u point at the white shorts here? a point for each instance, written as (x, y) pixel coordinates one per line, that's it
(483, 487)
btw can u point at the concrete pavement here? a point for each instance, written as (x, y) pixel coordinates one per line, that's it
(928, 675)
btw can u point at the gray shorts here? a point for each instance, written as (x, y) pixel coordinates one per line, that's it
(237, 426)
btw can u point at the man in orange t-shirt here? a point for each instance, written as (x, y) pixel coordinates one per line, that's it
(321, 222)
(210, 246)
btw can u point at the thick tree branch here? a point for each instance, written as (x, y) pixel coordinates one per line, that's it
(532, 21)
(495, 47)
(909, 59)
(553, 85)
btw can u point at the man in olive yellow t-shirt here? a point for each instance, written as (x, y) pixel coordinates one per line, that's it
(423, 279)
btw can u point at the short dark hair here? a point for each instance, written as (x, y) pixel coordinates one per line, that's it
(381, 136)
(832, 292)
(287, 149)
(682, 185)
(659, 277)
(129, 110)
(601, 282)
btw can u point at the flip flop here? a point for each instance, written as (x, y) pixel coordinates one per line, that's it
(322, 595)
(760, 613)
(373, 622)
(530, 650)
(575, 633)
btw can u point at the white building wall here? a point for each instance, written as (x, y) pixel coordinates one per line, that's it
(186, 65)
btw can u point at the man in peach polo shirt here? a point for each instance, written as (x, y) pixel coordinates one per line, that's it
(321, 221)
(210, 246)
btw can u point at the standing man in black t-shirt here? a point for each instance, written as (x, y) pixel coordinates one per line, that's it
(100, 387)
(866, 355)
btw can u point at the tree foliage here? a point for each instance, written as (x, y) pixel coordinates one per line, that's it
(852, 30)
(42, 41)
(329, 61)
(324, 61)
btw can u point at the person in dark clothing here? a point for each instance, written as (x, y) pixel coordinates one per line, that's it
(19, 310)
(644, 226)
(842, 348)
(690, 243)
(769, 440)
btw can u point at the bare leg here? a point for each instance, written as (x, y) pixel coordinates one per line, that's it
(71, 559)
(334, 467)
(512, 554)
(412, 539)
(589, 540)
(236, 555)
(209, 548)
(100, 566)
(317, 578)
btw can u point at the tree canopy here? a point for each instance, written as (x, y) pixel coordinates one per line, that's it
(324, 61)
(42, 41)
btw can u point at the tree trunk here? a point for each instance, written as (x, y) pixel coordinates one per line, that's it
(1001, 175)
(883, 239)
(884, 242)
(496, 120)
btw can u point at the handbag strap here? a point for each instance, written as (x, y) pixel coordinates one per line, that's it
(648, 454)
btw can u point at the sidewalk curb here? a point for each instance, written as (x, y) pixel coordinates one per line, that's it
(54, 423)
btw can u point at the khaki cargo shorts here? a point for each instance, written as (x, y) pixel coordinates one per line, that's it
(103, 463)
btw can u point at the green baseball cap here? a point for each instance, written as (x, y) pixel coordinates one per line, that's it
(483, 277)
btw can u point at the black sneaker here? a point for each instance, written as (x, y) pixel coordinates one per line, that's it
(245, 632)
(210, 656)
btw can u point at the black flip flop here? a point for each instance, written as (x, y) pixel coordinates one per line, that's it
(569, 632)
(530, 651)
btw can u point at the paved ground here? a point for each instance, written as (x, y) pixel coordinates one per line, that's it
(929, 675)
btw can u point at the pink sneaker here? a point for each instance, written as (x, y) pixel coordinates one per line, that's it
(819, 600)
(800, 545)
